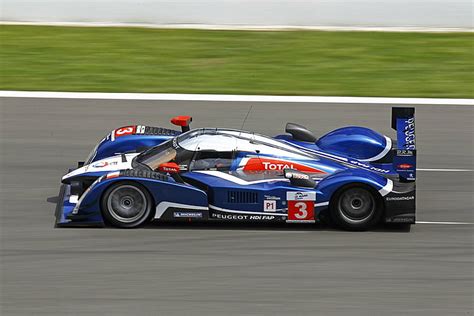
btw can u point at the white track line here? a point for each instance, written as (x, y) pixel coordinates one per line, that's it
(445, 170)
(243, 27)
(444, 223)
(230, 98)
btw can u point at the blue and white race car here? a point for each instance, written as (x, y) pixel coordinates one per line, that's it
(352, 176)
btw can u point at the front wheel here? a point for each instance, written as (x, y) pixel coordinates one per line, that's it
(356, 207)
(126, 205)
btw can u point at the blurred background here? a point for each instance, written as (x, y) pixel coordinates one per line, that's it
(420, 49)
(420, 13)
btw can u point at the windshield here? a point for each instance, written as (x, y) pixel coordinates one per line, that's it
(158, 155)
(230, 140)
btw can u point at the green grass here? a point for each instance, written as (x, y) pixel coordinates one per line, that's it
(236, 62)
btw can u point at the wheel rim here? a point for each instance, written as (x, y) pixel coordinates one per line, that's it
(356, 205)
(127, 203)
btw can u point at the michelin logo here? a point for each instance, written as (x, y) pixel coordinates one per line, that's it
(187, 214)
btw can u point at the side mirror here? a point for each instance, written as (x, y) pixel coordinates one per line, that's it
(299, 179)
(182, 121)
(173, 169)
(169, 167)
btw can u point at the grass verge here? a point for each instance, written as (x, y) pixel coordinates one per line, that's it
(237, 62)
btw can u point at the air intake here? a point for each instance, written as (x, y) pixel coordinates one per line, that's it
(246, 197)
(300, 133)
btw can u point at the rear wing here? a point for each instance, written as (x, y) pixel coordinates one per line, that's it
(404, 161)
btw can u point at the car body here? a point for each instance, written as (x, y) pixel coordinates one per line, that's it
(353, 176)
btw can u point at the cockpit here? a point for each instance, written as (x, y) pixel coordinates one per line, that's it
(212, 148)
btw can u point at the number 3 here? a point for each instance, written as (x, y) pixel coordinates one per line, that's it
(124, 130)
(302, 212)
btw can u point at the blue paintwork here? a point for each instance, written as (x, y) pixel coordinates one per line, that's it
(108, 147)
(352, 141)
(356, 142)
(332, 183)
(169, 191)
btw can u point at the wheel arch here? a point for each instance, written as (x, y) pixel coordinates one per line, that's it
(372, 189)
(334, 183)
(119, 181)
(160, 190)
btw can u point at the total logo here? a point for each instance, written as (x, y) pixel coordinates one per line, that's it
(264, 164)
(276, 166)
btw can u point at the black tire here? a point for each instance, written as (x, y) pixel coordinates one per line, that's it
(356, 207)
(126, 205)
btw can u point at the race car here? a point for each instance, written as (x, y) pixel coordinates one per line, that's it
(352, 177)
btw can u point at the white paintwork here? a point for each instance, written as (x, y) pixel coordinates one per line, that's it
(73, 199)
(163, 206)
(387, 188)
(113, 163)
(232, 98)
(245, 212)
(321, 204)
(238, 180)
(388, 146)
(261, 139)
(230, 140)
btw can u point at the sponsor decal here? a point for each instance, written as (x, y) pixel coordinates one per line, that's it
(272, 197)
(409, 218)
(103, 164)
(301, 207)
(410, 133)
(187, 214)
(100, 164)
(404, 152)
(301, 196)
(400, 198)
(140, 129)
(406, 133)
(405, 166)
(300, 176)
(241, 217)
(264, 164)
(355, 162)
(269, 205)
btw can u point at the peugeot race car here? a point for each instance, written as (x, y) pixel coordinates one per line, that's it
(353, 176)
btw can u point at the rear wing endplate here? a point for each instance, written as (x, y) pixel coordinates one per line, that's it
(404, 161)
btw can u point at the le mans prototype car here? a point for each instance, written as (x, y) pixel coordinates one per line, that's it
(352, 177)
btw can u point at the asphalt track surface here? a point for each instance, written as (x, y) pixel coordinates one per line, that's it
(228, 269)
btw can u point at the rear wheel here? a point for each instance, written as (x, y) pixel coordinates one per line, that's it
(126, 205)
(356, 207)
